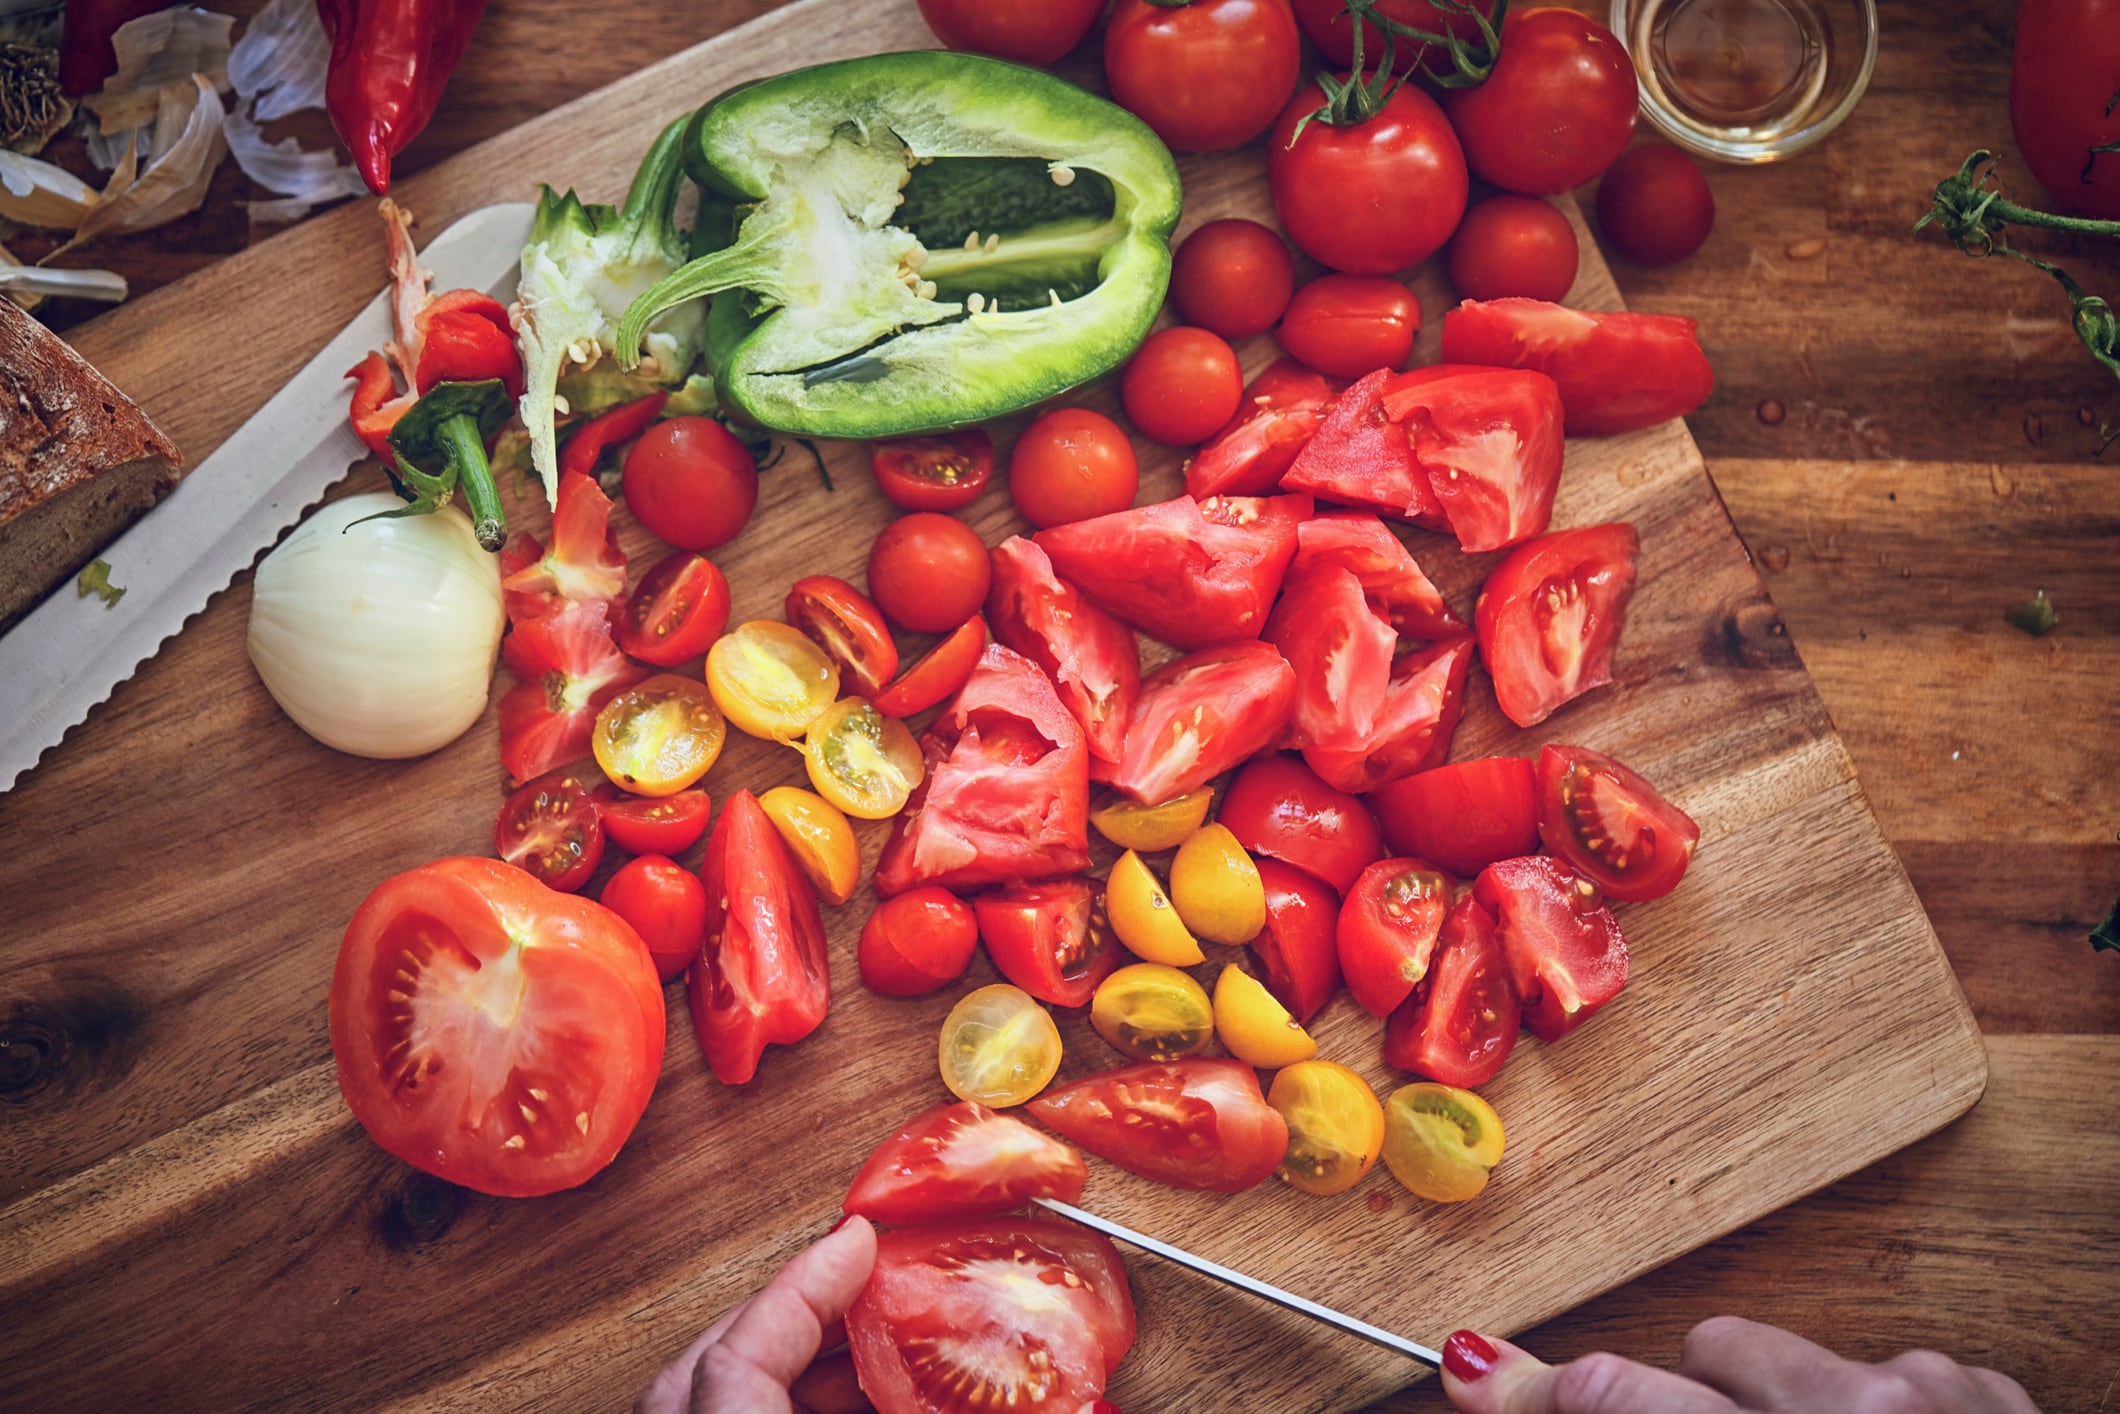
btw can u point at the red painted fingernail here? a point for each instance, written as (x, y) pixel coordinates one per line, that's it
(1469, 1356)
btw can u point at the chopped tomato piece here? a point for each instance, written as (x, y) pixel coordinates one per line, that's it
(1281, 411)
(1277, 806)
(552, 830)
(960, 1161)
(1189, 1123)
(677, 611)
(1360, 457)
(1464, 816)
(1298, 949)
(1566, 954)
(1423, 703)
(1398, 590)
(1091, 657)
(1051, 938)
(1460, 1024)
(583, 564)
(1489, 440)
(1200, 715)
(939, 674)
(569, 669)
(1610, 825)
(1339, 652)
(1389, 924)
(1550, 615)
(839, 618)
(638, 825)
(1616, 372)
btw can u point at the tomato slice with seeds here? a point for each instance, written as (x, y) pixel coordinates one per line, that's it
(945, 472)
(1611, 825)
(679, 608)
(660, 736)
(1050, 937)
(552, 830)
(940, 673)
(863, 762)
(842, 621)
(771, 680)
(1200, 715)
(1550, 616)
(1389, 924)
(962, 1160)
(1195, 1123)
(1092, 658)
(640, 825)
(1460, 1025)
(1566, 955)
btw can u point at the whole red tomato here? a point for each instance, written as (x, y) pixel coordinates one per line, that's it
(1514, 246)
(1349, 325)
(1654, 206)
(1205, 74)
(1327, 24)
(1182, 387)
(2064, 69)
(1370, 196)
(1028, 31)
(1557, 109)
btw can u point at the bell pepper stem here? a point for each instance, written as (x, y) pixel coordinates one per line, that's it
(467, 458)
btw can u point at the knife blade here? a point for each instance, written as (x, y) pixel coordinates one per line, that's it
(1288, 1299)
(72, 651)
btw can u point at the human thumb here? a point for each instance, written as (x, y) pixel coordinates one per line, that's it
(1482, 1375)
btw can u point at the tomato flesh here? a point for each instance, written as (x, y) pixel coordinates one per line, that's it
(1360, 457)
(1091, 657)
(1615, 371)
(1460, 1024)
(1489, 440)
(1297, 950)
(839, 618)
(1550, 616)
(1463, 816)
(1281, 411)
(582, 565)
(915, 943)
(669, 824)
(1566, 954)
(1049, 937)
(569, 668)
(1199, 715)
(939, 473)
(1277, 806)
(1398, 591)
(1389, 925)
(1610, 825)
(659, 736)
(552, 830)
(959, 1161)
(1199, 1124)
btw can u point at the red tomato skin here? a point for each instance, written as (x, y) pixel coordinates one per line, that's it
(1092, 658)
(1460, 1024)
(1298, 949)
(1387, 945)
(1654, 206)
(1373, 198)
(1202, 714)
(1277, 806)
(902, 469)
(1326, 24)
(1199, 1124)
(582, 563)
(668, 824)
(1464, 816)
(1182, 387)
(923, 1172)
(1567, 957)
(2062, 70)
(1361, 458)
(1048, 937)
(1672, 835)
(667, 905)
(1007, 790)
(1398, 590)
(1348, 325)
(1490, 441)
(1514, 246)
(1281, 410)
(1563, 592)
(839, 618)
(1035, 32)
(691, 483)
(1232, 277)
(928, 572)
(1557, 109)
(916, 943)
(1616, 372)
(676, 612)
(1206, 75)
(762, 977)
(940, 673)
(1072, 464)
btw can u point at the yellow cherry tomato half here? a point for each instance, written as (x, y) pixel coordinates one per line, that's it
(658, 736)
(1254, 1026)
(1153, 1012)
(1131, 825)
(999, 1047)
(819, 837)
(865, 763)
(1440, 1141)
(1335, 1125)
(770, 679)
(1142, 915)
(1217, 888)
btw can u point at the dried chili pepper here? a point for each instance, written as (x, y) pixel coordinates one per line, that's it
(390, 60)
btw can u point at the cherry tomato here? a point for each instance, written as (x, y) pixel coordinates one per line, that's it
(1610, 825)
(959, 1161)
(917, 942)
(1215, 887)
(863, 762)
(550, 828)
(1298, 949)
(1050, 938)
(939, 673)
(770, 680)
(1388, 927)
(1441, 1142)
(667, 906)
(1131, 825)
(1514, 246)
(1182, 386)
(1557, 109)
(679, 608)
(1029, 31)
(1371, 198)
(1653, 207)
(1232, 277)
(668, 824)
(1153, 1012)
(1347, 325)
(1277, 806)
(998, 1047)
(1326, 23)
(1550, 616)
(1142, 915)
(1194, 1123)
(839, 618)
(2062, 65)
(691, 483)
(1282, 409)
(659, 737)
(1460, 1025)
(1335, 1126)
(1072, 464)
(1206, 74)
(928, 573)
(1567, 957)
(945, 472)
(1254, 1025)
(819, 837)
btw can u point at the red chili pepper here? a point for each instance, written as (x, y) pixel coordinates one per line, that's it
(86, 56)
(586, 446)
(390, 60)
(465, 337)
(377, 404)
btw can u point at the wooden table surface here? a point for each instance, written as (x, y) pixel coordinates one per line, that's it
(1905, 439)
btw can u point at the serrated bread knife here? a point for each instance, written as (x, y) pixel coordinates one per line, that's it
(72, 651)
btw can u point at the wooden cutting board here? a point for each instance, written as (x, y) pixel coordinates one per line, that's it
(193, 1219)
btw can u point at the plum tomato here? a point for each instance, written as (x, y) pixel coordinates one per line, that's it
(1335, 1126)
(1153, 828)
(1049, 937)
(1195, 1123)
(552, 830)
(1254, 1026)
(770, 679)
(998, 1047)
(819, 837)
(1460, 1024)
(1200, 715)
(1555, 111)
(1463, 816)
(864, 763)
(667, 906)
(1232, 277)
(1151, 1012)
(1072, 464)
(916, 943)
(1441, 1142)
(1373, 197)
(927, 572)
(1654, 206)
(1142, 915)
(1566, 955)
(676, 612)
(1510, 245)
(938, 675)
(839, 618)
(1216, 888)
(1298, 949)
(1282, 410)
(1347, 325)
(1035, 33)
(1182, 386)
(1610, 825)
(1278, 807)
(659, 737)
(943, 472)
(1206, 75)
(962, 1160)
(691, 483)
(667, 824)
(1550, 615)
(1616, 371)
(1388, 927)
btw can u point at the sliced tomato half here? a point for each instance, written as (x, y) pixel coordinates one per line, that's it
(842, 621)
(669, 824)
(1298, 949)
(1460, 1024)
(1360, 457)
(1091, 657)
(1615, 371)
(1389, 925)
(1189, 1123)
(1550, 616)
(1202, 714)
(1050, 937)
(1566, 954)
(1612, 826)
(1490, 441)
(1281, 411)
(676, 612)
(960, 1161)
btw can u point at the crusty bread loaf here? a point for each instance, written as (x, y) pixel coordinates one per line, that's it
(79, 462)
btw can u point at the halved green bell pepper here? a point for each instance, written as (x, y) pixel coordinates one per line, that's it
(925, 241)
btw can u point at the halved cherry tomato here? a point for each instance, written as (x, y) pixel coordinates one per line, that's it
(1464, 816)
(679, 608)
(1152, 1012)
(1298, 949)
(1344, 326)
(669, 824)
(1182, 386)
(551, 830)
(1072, 464)
(927, 572)
(569, 667)
(1232, 277)
(583, 564)
(1277, 806)
(1566, 955)
(1144, 918)
(667, 906)
(961, 1161)
(998, 1047)
(1191, 1123)
(770, 679)
(1489, 440)
(659, 737)
(1441, 1142)
(1335, 1126)
(939, 674)
(1610, 825)
(1151, 828)
(691, 483)
(1616, 371)
(1215, 887)
(1050, 938)
(1550, 616)
(1460, 1025)
(819, 837)
(1359, 457)
(1388, 927)
(863, 762)
(1091, 657)
(839, 618)
(1199, 715)
(1254, 1025)
(1511, 246)
(1281, 410)
(916, 943)
(944, 472)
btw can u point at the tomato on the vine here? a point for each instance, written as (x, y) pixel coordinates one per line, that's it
(1347, 325)
(691, 483)
(944, 472)
(1182, 386)
(1327, 24)
(1072, 464)
(927, 572)
(2062, 75)
(1654, 206)
(1205, 74)
(1555, 111)
(1233, 277)
(1036, 32)
(1374, 195)
(1510, 245)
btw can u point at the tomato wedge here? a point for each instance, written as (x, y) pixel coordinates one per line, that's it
(552, 830)
(1360, 457)
(1050, 938)
(1610, 825)
(1550, 615)
(1389, 924)
(1281, 411)
(1566, 954)
(582, 565)
(962, 1161)
(1423, 702)
(569, 668)
(1091, 657)
(1339, 654)
(1298, 951)
(1616, 372)
(939, 674)
(842, 621)
(637, 825)
(945, 472)
(1489, 440)
(1196, 1123)
(679, 608)
(492, 1032)
(1464, 816)
(1200, 715)
(1277, 806)
(1460, 1024)
(1398, 590)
